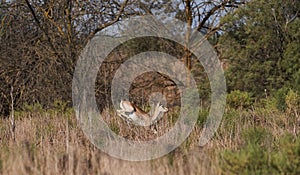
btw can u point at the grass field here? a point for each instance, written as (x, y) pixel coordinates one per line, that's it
(256, 141)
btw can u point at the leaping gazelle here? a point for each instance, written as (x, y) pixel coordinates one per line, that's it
(133, 113)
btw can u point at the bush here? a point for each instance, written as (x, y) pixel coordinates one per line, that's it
(202, 118)
(249, 160)
(256, 136)
(238, 99)
(269, 103)
(287, 159)
(257, 157)
(280, 98)
(253, 157)
(32, 108)
(292, 101)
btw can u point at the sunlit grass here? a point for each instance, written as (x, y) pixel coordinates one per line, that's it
(247, 141)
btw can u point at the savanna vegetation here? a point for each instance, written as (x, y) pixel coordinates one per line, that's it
(256, 40)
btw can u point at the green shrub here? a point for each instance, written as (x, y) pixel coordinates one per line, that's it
(261, 155)
(286, 160)
(230, 121)
(238, 99)
(256, 136)
(267, 103)
(292, 101)
(32, 108)
(280, 98)
(59, 105)
(286, 98)
(202, 118)
(252, 158)
(296, 81)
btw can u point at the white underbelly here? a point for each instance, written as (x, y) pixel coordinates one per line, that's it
(134, 117)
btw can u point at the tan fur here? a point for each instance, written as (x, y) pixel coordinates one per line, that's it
(137, 115)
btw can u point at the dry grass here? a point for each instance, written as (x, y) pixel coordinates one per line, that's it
(53, 143)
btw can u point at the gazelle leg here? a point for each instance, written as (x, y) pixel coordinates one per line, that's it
(153, 128)
(123, 115)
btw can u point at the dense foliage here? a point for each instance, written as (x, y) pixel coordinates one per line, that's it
(261, 43)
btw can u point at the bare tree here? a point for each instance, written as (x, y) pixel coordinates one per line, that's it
(40, 40)
(40, 43)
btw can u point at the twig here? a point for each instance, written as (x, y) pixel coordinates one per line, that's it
(12, 117)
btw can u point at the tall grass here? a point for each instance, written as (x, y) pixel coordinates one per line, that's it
(248, 141)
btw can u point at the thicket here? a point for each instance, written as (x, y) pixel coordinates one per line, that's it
(261, 45)
(40, 42)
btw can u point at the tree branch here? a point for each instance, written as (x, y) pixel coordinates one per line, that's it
(216, 8)
(102, 26)
(39, 25)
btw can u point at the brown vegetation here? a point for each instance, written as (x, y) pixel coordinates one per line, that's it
(51, 142)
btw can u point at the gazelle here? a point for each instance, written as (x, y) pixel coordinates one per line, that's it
(133, 113)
